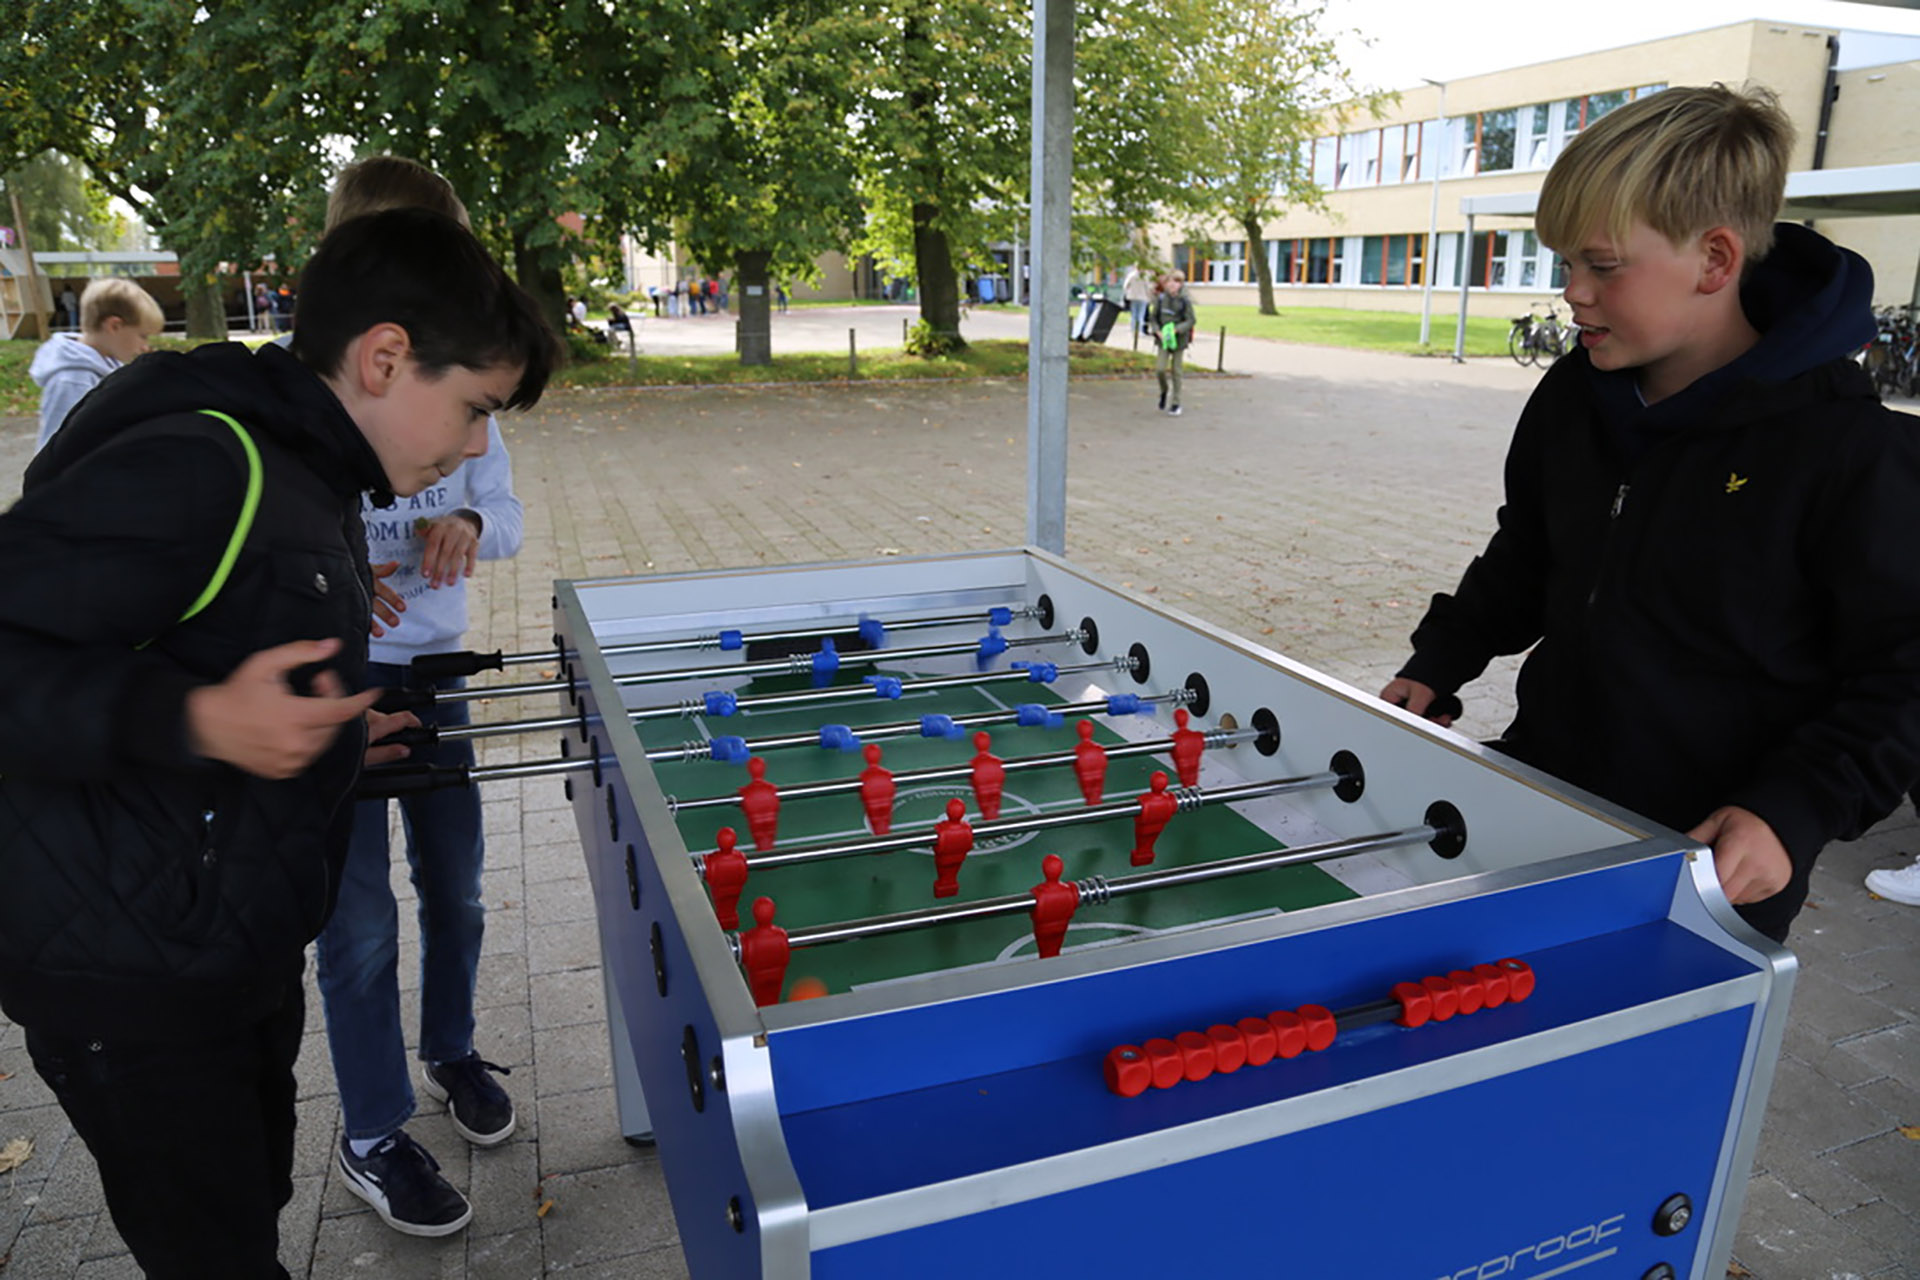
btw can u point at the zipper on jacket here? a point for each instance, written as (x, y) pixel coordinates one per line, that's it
(1619, 501)
(1613, 514)
(208, 854)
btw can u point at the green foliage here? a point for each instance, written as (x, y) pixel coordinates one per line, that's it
(583, 348)
(64, 210)
(925, 340)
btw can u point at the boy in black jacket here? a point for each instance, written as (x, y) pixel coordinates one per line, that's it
(184, 603)
(1710, 519)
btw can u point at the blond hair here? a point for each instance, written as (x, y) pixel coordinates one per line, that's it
(379, 183)
(105, 299)
(1682, 161)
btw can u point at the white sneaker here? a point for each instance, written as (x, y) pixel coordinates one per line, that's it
(1901, 886)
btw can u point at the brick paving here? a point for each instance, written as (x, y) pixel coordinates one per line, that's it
(1311, 503)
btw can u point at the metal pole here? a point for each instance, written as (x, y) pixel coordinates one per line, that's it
(853, 359)
(1052, 164)
(1433, 216)
(1466, 282)
(1220, 361)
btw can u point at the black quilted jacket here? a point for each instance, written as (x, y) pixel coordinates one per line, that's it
(145, 891)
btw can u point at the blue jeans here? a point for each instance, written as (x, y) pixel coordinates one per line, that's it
(359, 949)
(1139, 307)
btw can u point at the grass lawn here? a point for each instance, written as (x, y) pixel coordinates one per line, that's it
(991, 359)
(1365, 330)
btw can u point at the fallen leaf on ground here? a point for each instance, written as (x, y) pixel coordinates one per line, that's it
(16, 1153)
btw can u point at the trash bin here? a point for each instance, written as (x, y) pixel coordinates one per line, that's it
(986, 288)
(1096, 318)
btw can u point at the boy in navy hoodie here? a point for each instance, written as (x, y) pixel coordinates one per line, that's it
(1707, 539)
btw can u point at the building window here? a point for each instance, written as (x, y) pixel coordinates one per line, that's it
(1496, 141)
(1229, 263)
(1536, 128)
(1393, 144)
(1319, 261)
(1326, 158)
(1283, 260)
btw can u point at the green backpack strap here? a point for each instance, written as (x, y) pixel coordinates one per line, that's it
(247, 508)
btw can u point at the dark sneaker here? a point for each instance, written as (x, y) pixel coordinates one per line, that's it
(1163, 400)
(1174, 412)
(480, 1109)
(402, 1182)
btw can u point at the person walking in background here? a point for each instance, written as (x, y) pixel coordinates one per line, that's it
(262, 308)
(117, 319)
(1137, 291)
(70, 307)
(1171, 321)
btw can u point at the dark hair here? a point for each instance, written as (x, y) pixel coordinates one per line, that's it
(426, 273)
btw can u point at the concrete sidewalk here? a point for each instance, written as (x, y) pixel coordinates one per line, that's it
(1313, 505)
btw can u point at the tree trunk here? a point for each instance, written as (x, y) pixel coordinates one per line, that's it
(933, 265)
(206, 311)
(755, 296)
(1262, 272)
(541, 281)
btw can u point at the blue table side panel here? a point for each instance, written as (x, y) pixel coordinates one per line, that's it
(1569, 1159)
(699, 1151)
(904, 1049)
(896, 1141)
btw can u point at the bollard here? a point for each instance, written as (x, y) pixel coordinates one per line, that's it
(633, 354)
(853, 360)
(903, 331)
(1220, 361)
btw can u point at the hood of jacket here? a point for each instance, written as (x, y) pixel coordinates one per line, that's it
(64, 353)
(267, 391)
(1812, 303)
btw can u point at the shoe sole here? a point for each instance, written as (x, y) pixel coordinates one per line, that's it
(1904, 899)
(434, 1091)
(426, 1230)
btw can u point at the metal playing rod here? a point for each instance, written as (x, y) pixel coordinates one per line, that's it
(436, 666)
(799, 664)
(1215, 738)
(914, 728)
(690, 707)
(1099, 890)
(1188, 798)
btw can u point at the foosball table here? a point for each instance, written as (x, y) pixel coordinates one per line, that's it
(966, 916)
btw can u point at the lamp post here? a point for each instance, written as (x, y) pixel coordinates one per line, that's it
(1433, 217)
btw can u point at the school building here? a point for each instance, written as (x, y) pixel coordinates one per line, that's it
(1403, 186)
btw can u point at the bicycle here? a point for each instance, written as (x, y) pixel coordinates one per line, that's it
(1892, 359)
(1533, 337)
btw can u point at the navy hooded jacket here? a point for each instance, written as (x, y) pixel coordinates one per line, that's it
(1722, 590)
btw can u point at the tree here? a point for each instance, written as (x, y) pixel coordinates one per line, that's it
(64, 210)
(1265, 76)
(747, 155)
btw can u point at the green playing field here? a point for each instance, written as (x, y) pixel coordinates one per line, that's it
(854, 888)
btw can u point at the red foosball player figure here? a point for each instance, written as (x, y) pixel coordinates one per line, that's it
(726, 869)
(952, 842)
(1089, 763)
(761, 801)
(1187, 746)
(876, 792)
(1053, 906)
(764, 954)
(1156, 810)
(989, 776)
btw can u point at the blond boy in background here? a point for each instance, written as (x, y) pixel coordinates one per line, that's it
(117, 320)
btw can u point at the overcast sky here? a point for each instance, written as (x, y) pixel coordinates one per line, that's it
(1443, 39)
